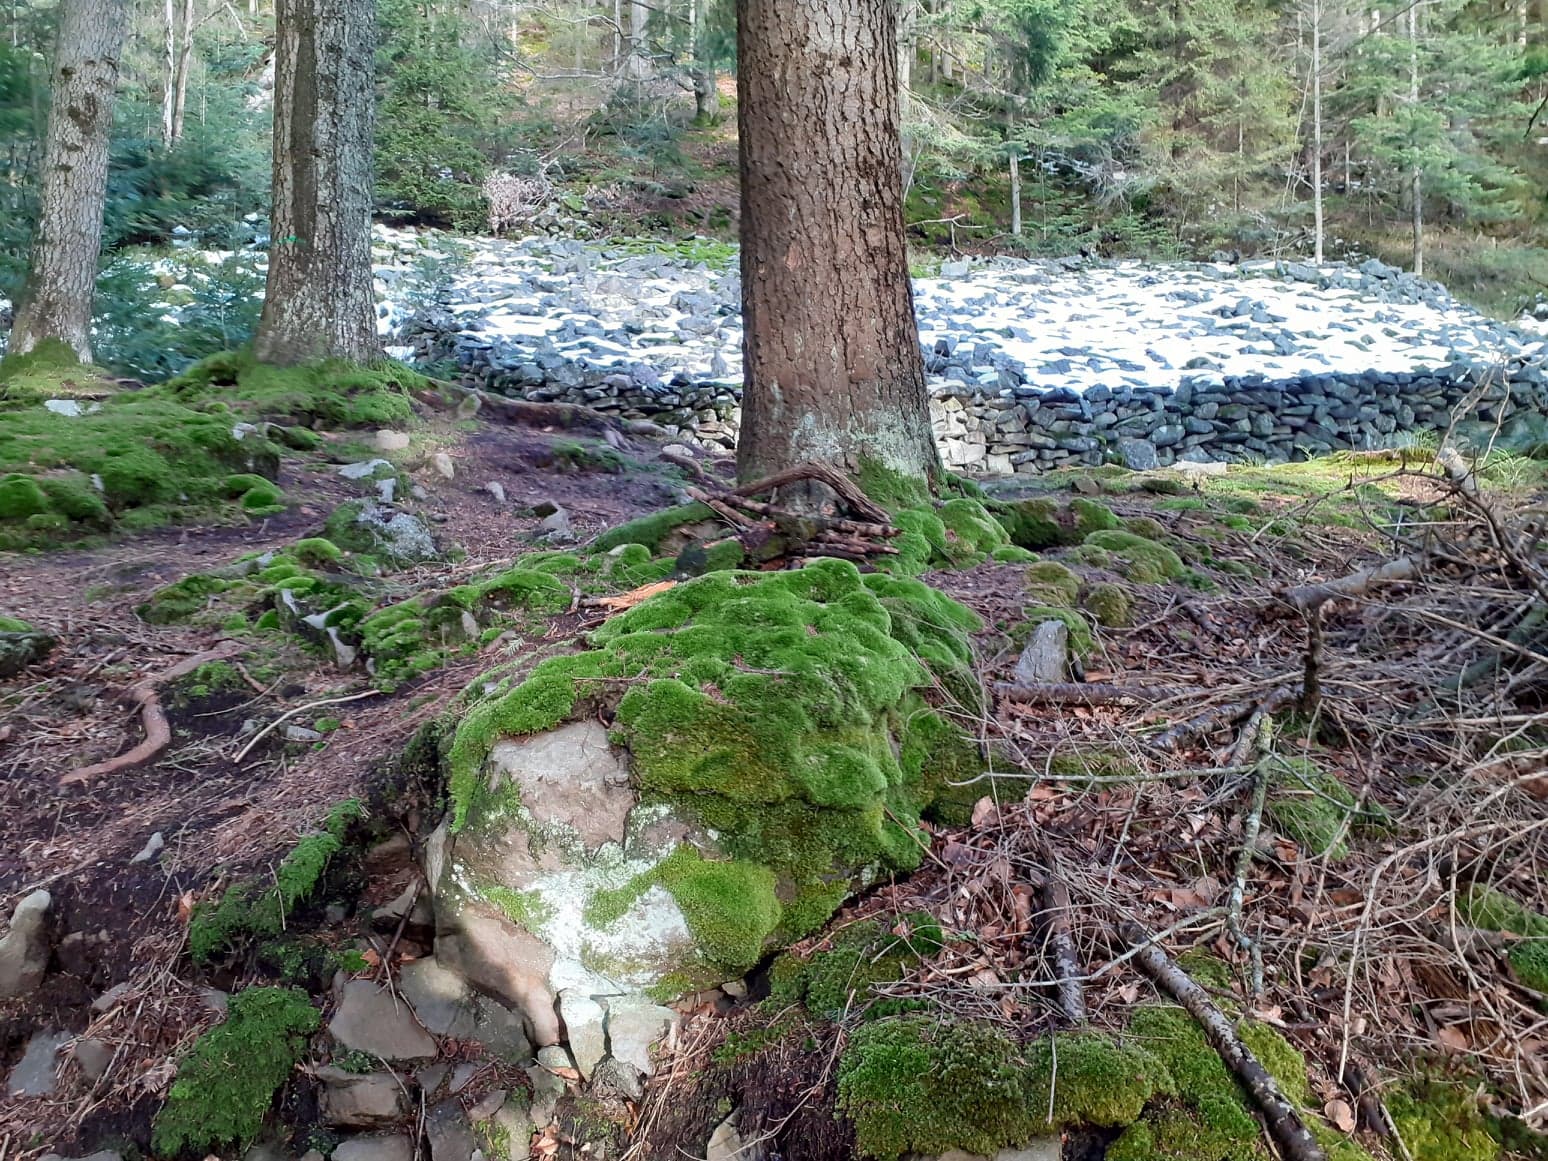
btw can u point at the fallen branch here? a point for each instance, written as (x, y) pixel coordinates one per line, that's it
(1285, 1127)
(1066, 962)
(1089, 693)
(828, 523)
(1307, 599)
(730, 515)
(300, 709)
(567, 415)
(1202, 723)
(158, 733)
(690, 465)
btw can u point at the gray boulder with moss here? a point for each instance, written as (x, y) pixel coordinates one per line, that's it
(773, 742)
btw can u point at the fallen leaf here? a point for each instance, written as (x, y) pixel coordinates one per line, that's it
(1340, 1114)
(1453, 1038)
(185, 907)
(983, 811)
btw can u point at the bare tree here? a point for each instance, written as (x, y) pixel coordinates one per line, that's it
(179, 20)
(833, 367)
(56, 301)
(1416, 178)
(319, 301)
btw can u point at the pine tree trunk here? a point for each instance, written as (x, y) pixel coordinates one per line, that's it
(180, 73)
(1416, 183)
(319, 302)
(56, 301)
(1316, 80)
(831, 347)
(1015, 192)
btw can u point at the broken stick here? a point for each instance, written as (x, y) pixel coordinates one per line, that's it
(1083, 693)
(1286, 1128)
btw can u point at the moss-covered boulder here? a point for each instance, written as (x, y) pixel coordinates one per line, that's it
(770, 745)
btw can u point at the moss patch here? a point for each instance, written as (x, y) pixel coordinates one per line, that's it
(1310, 805)
(1140, 560)
(1490, 909)
(1111, 606)
(1439, 1121)
(330, 394)
(225, 1085)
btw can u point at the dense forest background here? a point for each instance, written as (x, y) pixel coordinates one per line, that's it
(1148, 128)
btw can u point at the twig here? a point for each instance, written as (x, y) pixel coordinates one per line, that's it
(1066, 962)
(842, 486)
(1288, 1132)
(300, 709)
(724, 511)
(1090, 693)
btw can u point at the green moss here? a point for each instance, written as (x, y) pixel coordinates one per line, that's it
(20, 497)
(317, 552)
(225, 1085)
(971, 532)
(1081, 641)
(1111, 606)
(329, 394)
(182, 600)
(1439, 1121)
(526, 909)
(1042, 522)
(257, 908)
(14, 625)
(1051, 583)
(782, 711)
(836, 980)
(210, 678)
(653, 531)
(1012, 554)
(1100, 766)
(1146, 526)
(731, 907)
(892, 490)
(1308, 804)
(1490, 909)
(1140, 560)
(1092, 517)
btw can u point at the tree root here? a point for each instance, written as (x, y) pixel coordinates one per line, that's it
(1285, 1127)
(158, 733)
(840, 484)
(571, 416)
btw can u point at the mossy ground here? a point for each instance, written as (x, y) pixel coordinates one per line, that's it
(1490, 909)
(225, 1085)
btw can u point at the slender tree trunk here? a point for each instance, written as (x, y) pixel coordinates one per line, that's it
(1316, 79)
(180, 78)
(169, 62)
(1015, 182)
(319, 302)
(638, 65)
(56, 301)
(1416, 183)
(706, 91)
(618, 37)
(831, 347)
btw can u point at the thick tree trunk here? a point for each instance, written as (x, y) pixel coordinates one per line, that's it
(319, 302)
(831, 347)
(56, 301)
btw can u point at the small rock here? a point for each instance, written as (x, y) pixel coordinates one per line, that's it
(372, 1020)
(301, 734)
(736, 989)
(267, 1151)
(554, 1057)
(545, 508)
(388, 1147)
(34, 1072)
(546, 1091)
(431, 1077)
(584, 1021)
(215, 1000)
(462, 1076)
(492, 1103)
(726, 1144)
(151, 849)
(633, 1025)
(93, 1056)
(391, 441)
(24, 950)
(497, 490)
(515, 1118)
(104, 1155)
(110, 997)
(616, 1080)
(359, 1100)
(442, 463)
(450, 1133)
(363, 470)
(415, 903)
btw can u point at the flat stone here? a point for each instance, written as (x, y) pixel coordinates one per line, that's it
(546, 1091)
(442, 463)
(447, 1006)
(463, 1075)
(391, 441)
(371, 1020)
(450, 1133)
(488, 1105)
(726, 1144)
(584, 1021)
(573, 775)
(1138, 455)
(34, 1073)
(355, 1100)
(431, 1077)
(633, 1025)
(24, 950)
(515, 1118)
(385, 1147)
(93, 1056)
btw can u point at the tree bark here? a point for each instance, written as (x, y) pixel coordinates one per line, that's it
(319, 302)
(1416, 182)
(56, 301)
(1316, 87)
(831, 347)
(1015, 192)
(180, 72)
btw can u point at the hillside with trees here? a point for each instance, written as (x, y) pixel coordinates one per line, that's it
(1037, 649)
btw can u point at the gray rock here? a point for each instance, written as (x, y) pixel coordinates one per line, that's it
(515, 1118)
(1138, 454)
(34, 1073)
(442, 465)
(726, 1144)
(371, 1020)
(584, 1021)
(153, 847)
(463, 1075)
(24, 950)
(414, 902)
(1167, 434)
(353, 1100)
(615, 1080)
(447, 1006)
(386, 1147)
(103, 1155)
(301, 734)
(487, 1106)
(93, 1056)
(450, 1133)
(363, 470)
(431, 1077)
(546, 1091)
(634, 1024)
(391, 441)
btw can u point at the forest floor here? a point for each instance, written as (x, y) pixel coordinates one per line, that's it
(1386, 818)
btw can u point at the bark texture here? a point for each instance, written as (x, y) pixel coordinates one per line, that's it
(56, 301)
(831, 347)
(319, 302)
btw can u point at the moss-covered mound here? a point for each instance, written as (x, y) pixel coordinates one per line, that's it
(329, 395)
(784, 714)
(1490, 909)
